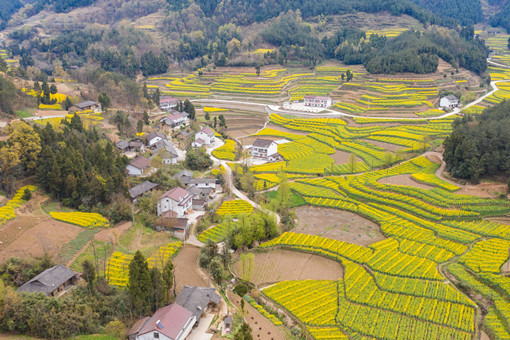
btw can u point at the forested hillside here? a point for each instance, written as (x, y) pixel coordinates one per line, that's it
(479, 146)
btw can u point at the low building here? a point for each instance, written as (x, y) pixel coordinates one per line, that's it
(176, 119)
(86, 106)
(167, 103)
(449, 102)
(177, 200)
(54, 281)
(178, 226)
(166, 150)
(136, 145)
(202, 183)
(206, 194)
(138, 166)
(155, 137)
(140, 189)
(122, 145)
(317, 101)
(263, 148)
(172, 322)
(198, 204)
(204, 137)
(198, 300)
(184, 176)
(183, 135)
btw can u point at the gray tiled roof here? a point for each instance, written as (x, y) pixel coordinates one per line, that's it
(141, 188)
(262, 143)
(196, 299)
(122, 144)
(48, 280)
(86, 103)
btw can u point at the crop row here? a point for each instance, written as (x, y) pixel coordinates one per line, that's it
(487, 255)
(82, 219)
(215, 234)
(227, 151)
(7, 212)
(262, 311)
(234, 208)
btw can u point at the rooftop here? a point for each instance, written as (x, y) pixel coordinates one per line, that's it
(262, 143)
(317, 97)
(155, 134)
(140, 163)
(122, 144)
(48, 280)
(172, 320)
(141, 188)
(177, 194)
(196, 299)
(86, 104)
(207, 130)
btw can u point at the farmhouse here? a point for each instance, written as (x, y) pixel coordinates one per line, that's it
(137, 166)
(178, 226)
(167, 151)
(203, 183)
(177, 200)
(198, 300)
(448, 102)
(54, 281)
(317, 101)
(167, 103)
(204, 137)
(265, 149)
(122, 145)
(140, 189)
(176, 119)
(184, 176)
(171, 322)
(154, 137)
(87, 105)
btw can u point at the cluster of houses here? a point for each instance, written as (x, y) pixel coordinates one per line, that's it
(176, 321)
(172, 322)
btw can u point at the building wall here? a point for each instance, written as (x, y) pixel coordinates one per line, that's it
(273, 148)
(154, 140)
(167, 204)
(170, 160)
(150, 336)
(132, 171)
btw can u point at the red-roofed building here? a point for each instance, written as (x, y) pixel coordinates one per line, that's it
(317, 101)
(204, 137)
(167, 103)
(177, 200)
(175, 119)
(137, 166)
(172, 322)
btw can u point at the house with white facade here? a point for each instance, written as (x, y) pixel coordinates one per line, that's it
(204, 137)
(176, 119)
(317, 101)
(176, 200)
(265, 149)
(138, 166)
(167, 103)
(172, 322)
(166, 150)
(154, 137)
(449, 102)
(202, 183)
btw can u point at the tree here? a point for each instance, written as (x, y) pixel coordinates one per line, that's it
(352, 163)
(27, 194)
(207, 116)
(198, 159)
(216, 269)
(146, 117)
(257, 70)
(223, 123)
(116, 329)
(53, 89)
(168, 279)
(215, 121)
(343, 76)
(139, 284)
(157, 294)
(104, 100)
(67, 103)
(89, 274)
(244, 332)
(139, 125)
(190, 109)
(508, 46)
(349, 75)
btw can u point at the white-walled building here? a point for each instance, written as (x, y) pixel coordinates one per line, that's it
(317, 101)
(177, 200)
(449, 102)
(167, 103)
(176, 119)
(138, 166)
(204, 137)
(166, 150)
(263, 148)
(172, 322)
(154, 137)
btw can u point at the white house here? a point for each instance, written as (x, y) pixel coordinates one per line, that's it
(265, 149)
(172, 322)
(154, 137)
(202, 183)
(317, 101)
(167, 151)
(176, 119)
(167, 103)
(448, 102)
(177, 200)
(137, 166)
(204, 137)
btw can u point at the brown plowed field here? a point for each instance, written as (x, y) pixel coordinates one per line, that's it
(281, 265)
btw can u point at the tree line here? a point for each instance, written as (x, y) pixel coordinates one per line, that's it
(480, 146)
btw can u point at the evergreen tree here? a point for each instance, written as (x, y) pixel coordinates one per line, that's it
(146, 118)
(104, 100)
(207, 116)
(190, 109)
(89, 274)
(67, 103)
(139, 126)
(53, 89)
(168, 279)
(140, 284)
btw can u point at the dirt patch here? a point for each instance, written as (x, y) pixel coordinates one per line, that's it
(403, 180)
(261, 327)
(34, 236)
(434, 158)
(387, 146)
(113, 233)
(282, 265)
(337, 225)
(342, 157)
(485, 190)
(185, 268)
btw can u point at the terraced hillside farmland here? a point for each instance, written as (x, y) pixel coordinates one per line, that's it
(439, 255)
